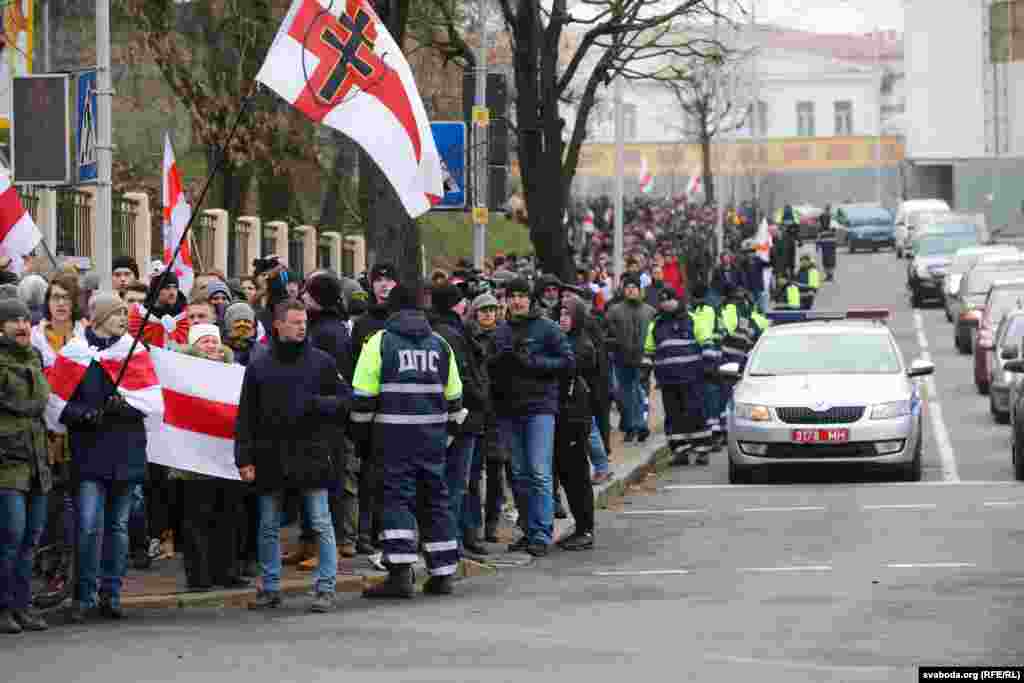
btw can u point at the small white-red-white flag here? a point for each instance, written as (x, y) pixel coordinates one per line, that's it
(588, 221)
(763, 241)
(139, 386)
(200, 398)
(177, 213)
(19, 234)
(336, 62)
(646, 177)
(695, 186)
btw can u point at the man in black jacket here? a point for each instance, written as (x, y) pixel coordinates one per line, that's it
(382, 280)
(290, 414)
(449, 307)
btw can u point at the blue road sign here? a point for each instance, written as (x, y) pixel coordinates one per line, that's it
(85, 138)
(450, 138)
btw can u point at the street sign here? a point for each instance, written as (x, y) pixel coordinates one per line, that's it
(480, 215)
(450, 138)
(85, 137)
(41, 130)
(481, 116)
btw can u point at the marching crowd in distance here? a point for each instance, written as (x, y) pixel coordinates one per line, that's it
(389, 419)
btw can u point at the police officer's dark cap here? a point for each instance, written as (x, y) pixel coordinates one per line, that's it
(383, 270)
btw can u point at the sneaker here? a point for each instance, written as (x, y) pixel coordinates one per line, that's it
(519, 546)
(266, 600)
(491, 533)
(438, 585)
(578, 541)
(560, 512)
(682, 457)
(111, 608)
(601, 478)
(702, 458)
(643, 436)
(376, 561)
(401, 583)
(324, 603)
(154, 548)
(628, 437)
(537, 549)
(8, 624)
(347, 549)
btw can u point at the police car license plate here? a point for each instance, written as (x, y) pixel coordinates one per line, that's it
(820, 435)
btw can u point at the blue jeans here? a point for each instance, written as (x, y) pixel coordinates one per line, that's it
(22, 519)
(530, 440)
(456, 473)
(632, 399)
(103, 511)
(598, 455)
(473, 503)
(319, 512)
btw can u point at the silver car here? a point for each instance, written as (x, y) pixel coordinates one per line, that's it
(828, 390)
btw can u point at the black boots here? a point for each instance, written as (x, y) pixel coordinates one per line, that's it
(401, 583)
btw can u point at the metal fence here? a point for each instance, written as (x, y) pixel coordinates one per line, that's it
(74, 223)
(202, 242)
(123, 217)
(30, 200)
(156, 237)
(296, 262)
(323, 254)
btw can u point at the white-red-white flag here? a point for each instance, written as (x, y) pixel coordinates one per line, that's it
(646, 177)
(19, 234)
(763, 241)
(200, 398)
(139, 386)
(177, 213)
(695, 186)
(336, 62)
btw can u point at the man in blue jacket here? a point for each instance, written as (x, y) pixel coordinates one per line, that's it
(530, 354)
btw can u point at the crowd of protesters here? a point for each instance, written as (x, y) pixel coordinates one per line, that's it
(390, 419)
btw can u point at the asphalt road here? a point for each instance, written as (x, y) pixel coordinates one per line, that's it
(835, 576)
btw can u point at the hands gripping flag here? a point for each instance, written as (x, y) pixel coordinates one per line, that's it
(335, 61)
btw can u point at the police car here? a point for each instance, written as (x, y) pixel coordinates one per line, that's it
(825, 387)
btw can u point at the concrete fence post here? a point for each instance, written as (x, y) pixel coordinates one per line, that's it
(143, 227)
(278, 231)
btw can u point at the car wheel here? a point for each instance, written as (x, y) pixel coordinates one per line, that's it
(999, 416)
(1018, 462)
(915, 299)
(912, 470)
(949, 316)
(874, 250)
(852, 249)
(739, 474)
(983, 389)
(899, 253)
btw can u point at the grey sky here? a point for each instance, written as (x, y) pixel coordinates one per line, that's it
(832, 16)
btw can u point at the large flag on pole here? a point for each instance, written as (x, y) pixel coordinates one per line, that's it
(18, 232)
(336, 62)
(176, 216)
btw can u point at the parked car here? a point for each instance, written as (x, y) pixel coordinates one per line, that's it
(807, 217)
(1008, 342)
(1016, 367)
(864, 226)
(932, 254)
(964, 260)
(1004, 297)
(973, 293)
(907, 217)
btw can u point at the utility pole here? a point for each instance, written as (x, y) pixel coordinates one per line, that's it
(481, 156)
(716, 94)
(102, 241)
(47, 40)
(755, 124)
(878, 90)
(618, 260)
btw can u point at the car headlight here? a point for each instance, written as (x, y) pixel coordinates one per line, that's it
(752, 412)
(1009, 377)
(953, 282)
(887, 411)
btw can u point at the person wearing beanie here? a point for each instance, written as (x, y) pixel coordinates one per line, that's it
(463, 459)
(547, 295)
(627, 322)
(124, 272)
(165, 298)
(8, 277)
(328, 332)
(705, 317)
(32, 290)
(530, 354)
(219, 294)
(292, 411)
(408, 400)
(107, 434)
(213, 516)
(25, 476)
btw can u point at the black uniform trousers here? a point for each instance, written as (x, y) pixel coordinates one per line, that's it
(572, 463)
(684, 414)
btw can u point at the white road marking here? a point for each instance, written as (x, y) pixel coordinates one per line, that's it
(901, 506)
(949, 468)
(800, 568)
(1002, 503)
(795, 664)
(697, 511)
(869, 484)
(930, 565)
(648, 572)
(797, 508)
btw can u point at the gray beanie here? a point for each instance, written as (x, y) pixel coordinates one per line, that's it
(13, 309)
(32, 289)
(217, 287)
(238, 311)
(483, 301)
(91, 281)
(102, 306)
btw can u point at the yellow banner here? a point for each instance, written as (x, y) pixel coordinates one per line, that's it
(744, 157)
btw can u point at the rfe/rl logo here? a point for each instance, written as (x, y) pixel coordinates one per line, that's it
(421, 361)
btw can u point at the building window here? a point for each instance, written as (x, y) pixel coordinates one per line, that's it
(629, 121)
(844, 117)
(757, 118)
(1006, 31)
(805, 119)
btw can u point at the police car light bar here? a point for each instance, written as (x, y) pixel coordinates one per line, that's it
(783, 317)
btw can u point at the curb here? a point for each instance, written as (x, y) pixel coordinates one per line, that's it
(240, 598)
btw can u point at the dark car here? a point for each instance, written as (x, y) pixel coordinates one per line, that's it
(864, 227)
(972, 295)
(1016, 367)
(1007, 347)
(1003, 297)
(931, 255)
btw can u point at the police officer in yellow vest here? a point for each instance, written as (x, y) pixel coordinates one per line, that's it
(809, 279)
(706, 332)
(408, 393)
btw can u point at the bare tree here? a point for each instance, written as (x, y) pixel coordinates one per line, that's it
(562, 59)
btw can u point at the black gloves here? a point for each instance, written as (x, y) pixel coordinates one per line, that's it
(117, 406)
(90, 419)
